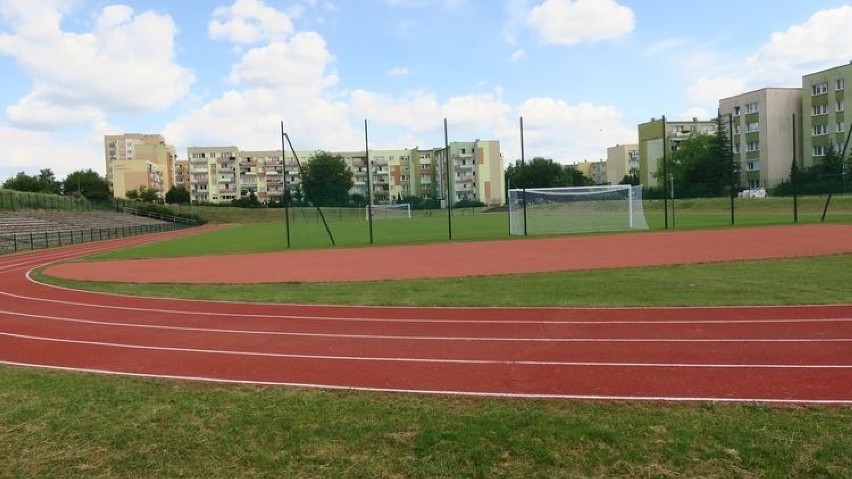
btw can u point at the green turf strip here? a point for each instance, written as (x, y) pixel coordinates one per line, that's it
(820, 280)
(79, 425)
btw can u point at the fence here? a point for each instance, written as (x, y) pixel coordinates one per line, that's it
(754, 202)
(14, 242)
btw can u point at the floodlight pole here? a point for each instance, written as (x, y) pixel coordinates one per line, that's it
(793, 173)
(523, 176)
(285, 195)
(449, 200)
(730, 151)
(665, 176)
(369, 183)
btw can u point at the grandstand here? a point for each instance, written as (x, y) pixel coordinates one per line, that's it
(32, 229)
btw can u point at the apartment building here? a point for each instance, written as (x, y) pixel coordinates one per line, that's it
(621, 161)
(659, 138)
(133, 153)
(761, 127)
(594, 170)
(824, 111)
(221, 174)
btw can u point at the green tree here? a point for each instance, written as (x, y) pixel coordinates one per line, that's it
(327, 180)
(177, 195)
(702, 166)
(47, 181)
(23, 182)
(143, 194)
(86, 183)
(577, 178)
(537, 173)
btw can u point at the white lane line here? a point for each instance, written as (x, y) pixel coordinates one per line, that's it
(587, 397)
(416, 320)
(64, 319)
(422, 360)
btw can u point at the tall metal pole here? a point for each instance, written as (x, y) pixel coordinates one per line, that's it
(285, 195)
(665, 175)
(369, 182)
(730, 151)
(523, 176)
(302, 173)
(793, 174)
(449, 199)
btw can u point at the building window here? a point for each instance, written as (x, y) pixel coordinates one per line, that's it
(819, 150)
(737, 129)
(736, 111)
(819, 110)
(819, 130)
(753, 146)
(819, 88)
(736, 148)
(752, 107)
(840, 105)
(752, 127)
(753, 165)
(840, 84)
(840, 127)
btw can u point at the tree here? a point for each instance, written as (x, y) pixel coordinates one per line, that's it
(143, 194)
(703, 165)
(86, 183)
(47, 181)
(177, 195)
(577, 178)
(23, 182)
(537, 173)
(327, 180)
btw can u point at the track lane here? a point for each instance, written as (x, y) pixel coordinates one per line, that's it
(788, 354)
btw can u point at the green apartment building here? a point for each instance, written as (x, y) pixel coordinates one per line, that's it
(824, 110)
(761, 125)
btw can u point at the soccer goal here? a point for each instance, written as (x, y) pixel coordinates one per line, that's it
(396, 211)
(576, 210)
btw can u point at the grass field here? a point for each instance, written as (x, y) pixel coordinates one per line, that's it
(57, 424)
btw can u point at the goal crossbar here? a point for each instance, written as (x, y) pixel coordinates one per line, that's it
(576, 209)
(394, 211)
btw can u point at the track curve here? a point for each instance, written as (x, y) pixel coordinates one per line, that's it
(766, 354)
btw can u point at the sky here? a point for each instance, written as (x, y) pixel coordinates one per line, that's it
(581, 73)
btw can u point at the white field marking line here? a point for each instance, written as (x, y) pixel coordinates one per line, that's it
(477, 362)
(838, 402)
(354, 319)
(415, 338)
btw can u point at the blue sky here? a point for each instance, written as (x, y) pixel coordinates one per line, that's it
(582, 73)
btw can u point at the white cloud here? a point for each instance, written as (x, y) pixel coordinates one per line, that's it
(570, 22)
(569, 133)
(301, 63)
(517, 55)
(817, 44)
(124, 64)
(781, 62)
(249, 21)
(29, 151)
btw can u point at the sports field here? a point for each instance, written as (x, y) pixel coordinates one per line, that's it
(214, 430)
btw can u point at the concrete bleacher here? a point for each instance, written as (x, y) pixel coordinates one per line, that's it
(29, 229)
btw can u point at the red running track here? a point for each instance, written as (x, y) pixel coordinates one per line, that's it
(771, 354)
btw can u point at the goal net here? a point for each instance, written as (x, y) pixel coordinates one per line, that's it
(396, 211)
(576, 210)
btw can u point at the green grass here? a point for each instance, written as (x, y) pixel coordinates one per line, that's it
(770, 282)
(78, 425)
(66, 424)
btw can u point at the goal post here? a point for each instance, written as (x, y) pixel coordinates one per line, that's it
(395, 211)
(582, 209)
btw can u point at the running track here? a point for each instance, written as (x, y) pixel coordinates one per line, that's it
(780, 354)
